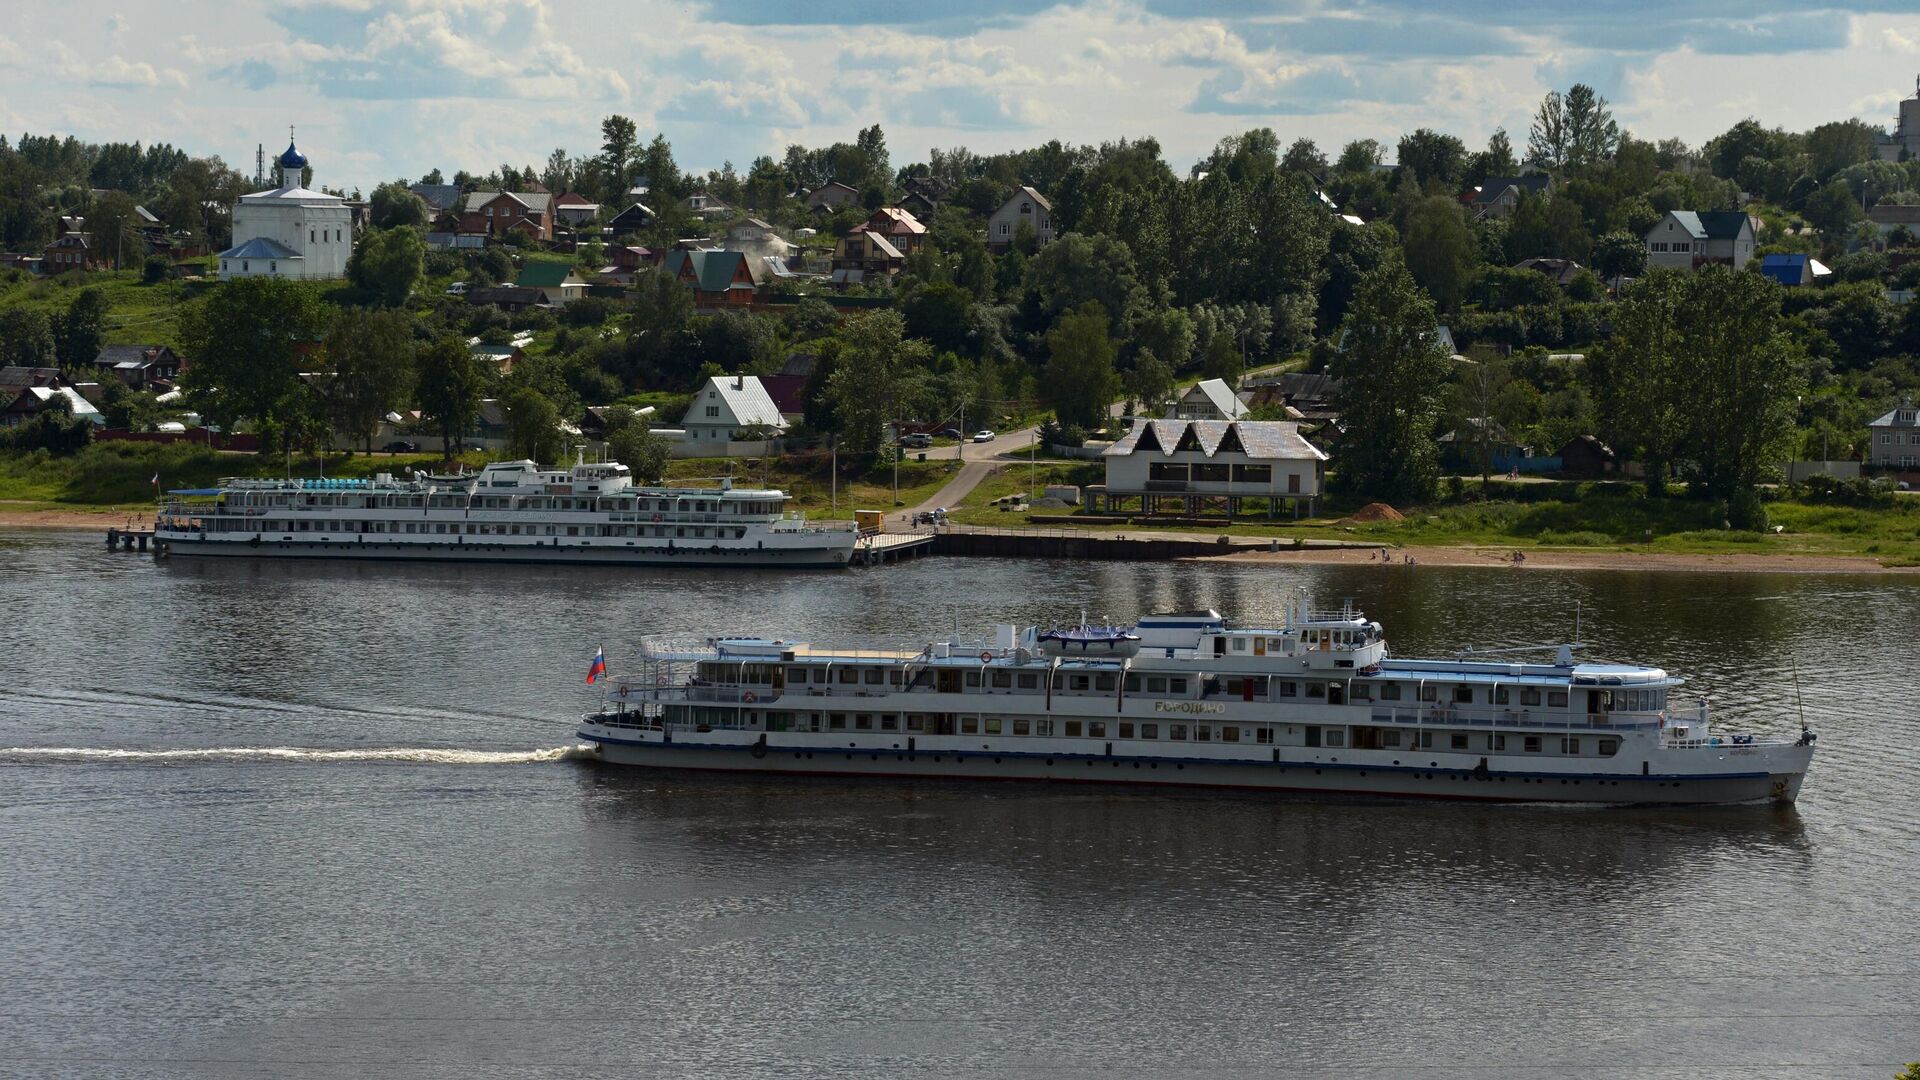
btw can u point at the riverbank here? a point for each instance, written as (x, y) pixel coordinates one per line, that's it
(23, 515)
(1539, 559)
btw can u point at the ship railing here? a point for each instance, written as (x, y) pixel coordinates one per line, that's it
(1524, 717)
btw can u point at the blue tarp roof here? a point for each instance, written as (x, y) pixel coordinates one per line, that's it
(1786, 269)
(194, 491)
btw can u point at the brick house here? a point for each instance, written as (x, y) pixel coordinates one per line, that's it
(72, 251)
(495, 213)
(717, 278)
(140, 366)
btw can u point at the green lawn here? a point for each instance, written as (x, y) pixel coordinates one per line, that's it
(121, 473)
(139, 314)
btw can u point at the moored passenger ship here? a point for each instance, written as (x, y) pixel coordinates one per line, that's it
(511, 511)
(1314, 705)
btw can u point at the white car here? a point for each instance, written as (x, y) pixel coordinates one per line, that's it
(458, 288)
(983, 436)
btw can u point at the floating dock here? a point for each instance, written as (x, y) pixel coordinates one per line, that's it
(129, 539)
(876, 548)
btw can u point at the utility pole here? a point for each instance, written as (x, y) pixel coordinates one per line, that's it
(833, 474)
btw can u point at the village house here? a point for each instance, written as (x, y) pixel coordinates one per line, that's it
(25, 403)
(496, 213)
(832, 196)
(555, 281)
(1210, 466)
(635, 218)
(1562, 271)
(717, 278)
(1587, 456)
(1685, 240)
(1894, 439)
(1462, 448)
(1208, 399)
(574, 210)
(1498, 196)
(500, 358)
(705, 205)
(1027, 207)
(1887, 217)
(726, 407)
(901, 228)
(439, 198)
(140, 366)
(70, 251)
(861, 256)
(1793, 270)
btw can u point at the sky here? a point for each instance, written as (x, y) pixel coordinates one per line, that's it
(380, 89)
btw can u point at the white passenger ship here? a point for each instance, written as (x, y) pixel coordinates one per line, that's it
(511, 511)
(1315, 705)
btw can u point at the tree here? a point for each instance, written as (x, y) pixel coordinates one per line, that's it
(872, 377)
(1742, 378)
(1833, 209)
(388, 263)
(26, 338)
(1393, 373)
(84, 329)
(533, 426)
(619, 139)
(392, 205)
(1441, 251)
(1574, 131)
(1075, 269)
(1832, 147)
(246, 339)
(631, 442)
(1480, 388)
(558, 174)
(1639, 376)
(1359, 156)
(1079, 381)
(111, 220)
(371, 357)
(451, 383)
(1150, 383)
(1434, 158)
(1304, 156)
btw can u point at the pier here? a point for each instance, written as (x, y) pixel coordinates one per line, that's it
(129, 539)
(877, 548)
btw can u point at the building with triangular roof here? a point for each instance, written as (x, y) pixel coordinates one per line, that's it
(290, 231)
(1686, 240)
(1193, 467)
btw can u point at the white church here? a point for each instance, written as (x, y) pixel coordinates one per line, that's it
(289, 232)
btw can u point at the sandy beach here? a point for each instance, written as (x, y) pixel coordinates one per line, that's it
(77, 520)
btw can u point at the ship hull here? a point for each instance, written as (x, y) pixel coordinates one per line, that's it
(685, 751)
(819, 557)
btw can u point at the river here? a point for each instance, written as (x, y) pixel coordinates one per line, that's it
(268, 819)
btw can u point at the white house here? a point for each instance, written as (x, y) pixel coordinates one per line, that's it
(290, 231)
(1196, 466)
(1027, 205)
(1208, 399)
(1685, 240)
(722, 408)
(1894, 439)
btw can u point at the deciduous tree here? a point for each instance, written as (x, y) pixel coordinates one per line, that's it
(632, 442)
(248, 340)
(1393, 373)
(371, 355)
(451, 383)
(1079, 381)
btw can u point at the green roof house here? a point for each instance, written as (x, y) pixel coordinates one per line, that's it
(557, 283)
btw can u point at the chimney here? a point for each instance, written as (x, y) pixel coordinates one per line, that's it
(739, 382)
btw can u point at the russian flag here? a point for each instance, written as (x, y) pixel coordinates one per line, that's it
(598, 667)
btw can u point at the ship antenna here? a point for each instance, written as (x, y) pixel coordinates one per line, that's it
(1576, 622)
(1798, 702)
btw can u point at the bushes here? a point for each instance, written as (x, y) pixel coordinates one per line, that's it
(1863, 491)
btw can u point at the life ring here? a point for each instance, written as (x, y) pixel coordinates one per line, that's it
(986, 657)
(749, 697)
(623, 689)
(659, 680)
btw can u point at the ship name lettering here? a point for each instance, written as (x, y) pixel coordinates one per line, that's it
(1189, 706)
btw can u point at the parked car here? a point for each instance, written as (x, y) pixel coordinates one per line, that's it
(936, 516)
(950, 433)
(983, 436)
(399, 446)
(916, 441)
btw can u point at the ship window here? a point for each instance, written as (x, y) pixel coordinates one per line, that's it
(409, 526)
(1570, 744)
(1429, 693)
(1077, 682)
(1609, 747)
(847, 675)
(1003, 679)
(1239, 644)
(1426, 740)
(1390, 738)
(1132, 684)
(1463, 694)
(1263, 734)
(837, 722)
(1499, 742)
(1557, 698)
(1230, 734)
(796, 675)
(1073, 729)
(1149, 731)
(970, 725)
(1336, 737)
(993, 726)
(916, 722)
(1362, 691)
(1289, 689)
(1029, 681)
(822, 675)
(1457, 741)
(1156, 684)
(1126, 730)
(893, 677)
(862, 722)
(1530, 696)
(873, 676)
(1177, 732)
(1202, 732)
(1103, 682)
(1043, 727)
(1022, 726)
(1531, 744)
(973, 678)
(890, 722)
(1315, 690)
(1097, 729)
(1502, 696)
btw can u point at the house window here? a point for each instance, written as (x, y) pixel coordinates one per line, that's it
(310, 236)
(1253, 474)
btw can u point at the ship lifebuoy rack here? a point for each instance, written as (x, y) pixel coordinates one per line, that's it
(659, 680)
(623, 690)
(986, 657)
(749, 697)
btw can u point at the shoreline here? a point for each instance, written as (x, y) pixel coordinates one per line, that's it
(71, 520)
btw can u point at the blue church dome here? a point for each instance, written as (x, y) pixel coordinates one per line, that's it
(293, 159)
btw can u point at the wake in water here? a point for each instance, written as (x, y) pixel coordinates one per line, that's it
(408, 755)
